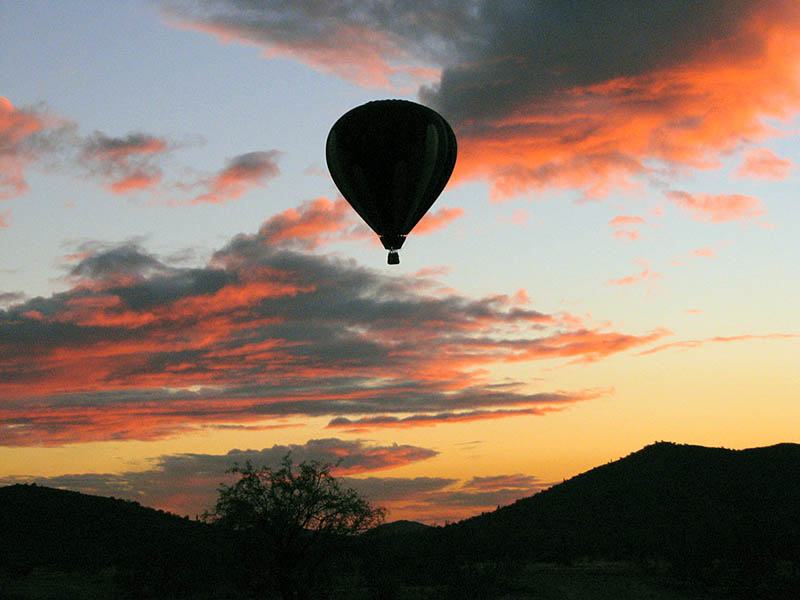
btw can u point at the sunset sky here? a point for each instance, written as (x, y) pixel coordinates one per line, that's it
(615, 261)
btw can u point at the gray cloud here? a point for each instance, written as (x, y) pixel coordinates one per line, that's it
(496, 54)
(141, 349)
(567, 94)
(533, 49)
(127, 164)
(186, 483)
(388, 38)
(10, 298)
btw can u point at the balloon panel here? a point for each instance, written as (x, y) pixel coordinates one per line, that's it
(391, 159)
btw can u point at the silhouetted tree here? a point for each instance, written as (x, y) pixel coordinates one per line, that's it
(288, 519)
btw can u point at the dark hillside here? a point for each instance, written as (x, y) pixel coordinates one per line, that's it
(398, 528)
(727, 519)
(45, 527)
(697, 508)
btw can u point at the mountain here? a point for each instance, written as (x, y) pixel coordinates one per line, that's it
(43, 527)
(695, 508)
(399, 528)
(728, 518)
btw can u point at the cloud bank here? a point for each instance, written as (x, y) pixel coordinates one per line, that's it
(265, 335)
(186, 484)
(553, 94)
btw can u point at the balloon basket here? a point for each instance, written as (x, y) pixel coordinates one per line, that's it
(394, 258)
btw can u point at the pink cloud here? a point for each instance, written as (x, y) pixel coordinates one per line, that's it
(518, 217)
(622, 220)
(627, 234)
(706, 252)
(436, 271)
(242, 173)
(764, 164)
(4, 218)
(521, 297)
(645, 275)
(719, 208)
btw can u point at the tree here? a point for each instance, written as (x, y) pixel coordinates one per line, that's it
(287, 520)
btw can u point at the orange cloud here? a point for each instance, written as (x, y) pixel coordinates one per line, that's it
(102, 147)
(627, 234)
(433, 271)
(622, 220)
(704, 252)
(126, 163)
(718, 208)
(686, 344)
(587, 345)
(266, 336)
(243, 172)
(135, 182)
(368, 56)
(16, 126)
(314, 223)
(602, 135)
(644, 275)
(433, 221)
(764, 164)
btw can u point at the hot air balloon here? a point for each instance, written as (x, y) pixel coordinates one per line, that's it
(390, 160)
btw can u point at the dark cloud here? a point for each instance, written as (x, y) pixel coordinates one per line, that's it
(442, 501)
(572, 94)
(382, 490)
(590, 95)
(534, 49)
(118, 263)
(140, 349)
(385, 421)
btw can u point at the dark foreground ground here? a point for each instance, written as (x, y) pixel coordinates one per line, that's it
(595, 580)
(667, 522)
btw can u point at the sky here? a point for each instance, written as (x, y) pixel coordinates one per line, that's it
(614, 261)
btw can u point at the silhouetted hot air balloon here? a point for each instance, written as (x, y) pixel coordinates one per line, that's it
(391, 159)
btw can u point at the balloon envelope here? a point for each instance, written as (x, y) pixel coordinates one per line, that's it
(390, 160)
